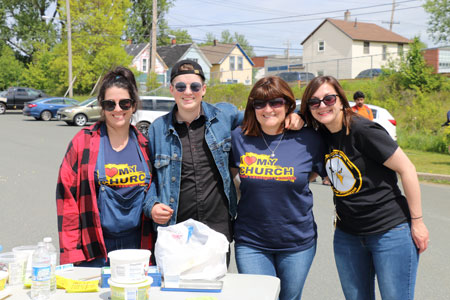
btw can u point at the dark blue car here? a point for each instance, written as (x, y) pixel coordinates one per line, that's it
(46, 108)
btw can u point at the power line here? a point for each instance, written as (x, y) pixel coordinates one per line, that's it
(264, 21)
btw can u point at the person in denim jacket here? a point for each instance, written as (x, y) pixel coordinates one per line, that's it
(189, 149)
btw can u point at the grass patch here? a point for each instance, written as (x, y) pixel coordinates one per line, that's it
(429, 162)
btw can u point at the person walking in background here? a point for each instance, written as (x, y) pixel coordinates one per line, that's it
(275, 233)
(103, 180)
(360, 107)
(189, 148)
(378, 230)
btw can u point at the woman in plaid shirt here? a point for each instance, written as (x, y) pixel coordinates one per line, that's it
(103, 180)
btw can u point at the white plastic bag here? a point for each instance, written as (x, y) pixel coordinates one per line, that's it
(191, 250)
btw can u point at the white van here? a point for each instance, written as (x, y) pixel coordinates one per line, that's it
(152, 108)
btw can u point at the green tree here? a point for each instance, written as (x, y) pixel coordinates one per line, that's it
(140, 19)
(411, 71)
(97, 28)
(152, 81)
(11, 68)
(43, 71)
(23, 28)
(439, 21)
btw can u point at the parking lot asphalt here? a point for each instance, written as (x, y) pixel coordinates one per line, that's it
(31, 153)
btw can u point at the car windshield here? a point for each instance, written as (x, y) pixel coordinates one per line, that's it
(87, 102)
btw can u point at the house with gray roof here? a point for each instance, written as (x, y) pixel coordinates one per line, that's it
(175, 52)
(343, 48)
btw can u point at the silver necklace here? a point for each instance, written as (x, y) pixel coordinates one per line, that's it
(273, 151)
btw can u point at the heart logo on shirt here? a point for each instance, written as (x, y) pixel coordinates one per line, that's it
(111, 172)
(249, 160)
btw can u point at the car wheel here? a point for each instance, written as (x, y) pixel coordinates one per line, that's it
(80, 120)
(2, 108)
(143, 127)
(46, 115)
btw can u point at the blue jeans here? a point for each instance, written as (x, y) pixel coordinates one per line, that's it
(131, 241)
(391, 256)
(291, 267)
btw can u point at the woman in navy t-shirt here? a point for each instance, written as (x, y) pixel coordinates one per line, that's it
(275, 233)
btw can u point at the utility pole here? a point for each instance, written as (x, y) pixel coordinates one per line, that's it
(69, 47)
(287, 55)
(153, 41)
(392, 15)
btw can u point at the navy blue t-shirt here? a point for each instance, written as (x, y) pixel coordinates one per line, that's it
(275, 209)
(124, 169)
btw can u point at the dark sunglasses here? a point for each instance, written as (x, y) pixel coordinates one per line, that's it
(110, 105)
(328, 100)
(195, 86)
(274, 103)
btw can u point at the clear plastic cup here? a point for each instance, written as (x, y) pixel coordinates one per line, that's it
(26, 253)
(15, 265)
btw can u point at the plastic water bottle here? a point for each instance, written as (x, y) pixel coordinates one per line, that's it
(40, 271)
(52, 251)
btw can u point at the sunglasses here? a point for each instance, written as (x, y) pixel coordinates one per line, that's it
(195, 86)
(110, 105)
(328, 100)
(274, 103)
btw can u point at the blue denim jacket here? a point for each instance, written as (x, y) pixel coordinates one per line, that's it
(166, 152)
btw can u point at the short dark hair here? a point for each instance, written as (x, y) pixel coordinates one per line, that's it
(266, 88)
(358, 94)
(311, 88)
(123, 78)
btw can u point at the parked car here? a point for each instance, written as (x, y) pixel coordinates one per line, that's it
(152, 108)
(296, 76)
(369, 73)
(86, 111)
(384, 118)
(16, 97)
(45, 108)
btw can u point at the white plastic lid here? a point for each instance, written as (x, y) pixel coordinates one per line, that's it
(47, 239)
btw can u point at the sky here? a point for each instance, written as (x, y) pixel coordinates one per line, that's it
(272, 26)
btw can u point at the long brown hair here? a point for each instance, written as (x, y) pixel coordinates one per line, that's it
(311, 88)
(266, 88)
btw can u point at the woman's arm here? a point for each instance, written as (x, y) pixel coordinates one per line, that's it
(67, 209)
(401, 164)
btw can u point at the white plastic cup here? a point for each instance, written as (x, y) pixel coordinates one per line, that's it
(129, 265)
(15, 265)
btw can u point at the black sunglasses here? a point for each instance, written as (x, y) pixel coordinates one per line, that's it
(110, 105)
(328, 100)
(274, 103)
(195, 86)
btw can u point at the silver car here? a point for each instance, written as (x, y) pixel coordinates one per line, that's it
(87, 111)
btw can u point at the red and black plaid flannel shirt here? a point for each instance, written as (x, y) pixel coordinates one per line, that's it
(80, 232)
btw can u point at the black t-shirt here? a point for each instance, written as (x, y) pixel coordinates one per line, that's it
(366, 193)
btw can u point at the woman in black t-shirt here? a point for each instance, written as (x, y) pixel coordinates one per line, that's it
(378, 230)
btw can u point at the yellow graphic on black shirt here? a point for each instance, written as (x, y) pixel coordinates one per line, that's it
(123, 175)
(344, 175)
(261, 166)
